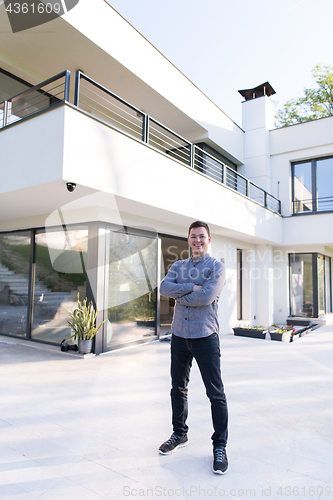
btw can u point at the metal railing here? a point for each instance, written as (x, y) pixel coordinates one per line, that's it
(36, 99)
(312, 205)
(166, 141)
(106, 106)
(112, 109)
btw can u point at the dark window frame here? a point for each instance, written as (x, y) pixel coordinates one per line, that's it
(313, 162)
(315, 283)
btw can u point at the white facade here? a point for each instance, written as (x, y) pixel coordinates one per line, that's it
(125, 182)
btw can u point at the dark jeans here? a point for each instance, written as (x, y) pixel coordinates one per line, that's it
(206, 352)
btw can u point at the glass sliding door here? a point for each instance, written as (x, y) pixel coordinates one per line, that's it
(239, 284)
(132, 292)
(14, 282)
(321, 284)
(301, 285)
(173, 249)
(60, 274)
(328, 285)
(310, 285)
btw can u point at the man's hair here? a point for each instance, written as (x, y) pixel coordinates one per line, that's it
(199, 223)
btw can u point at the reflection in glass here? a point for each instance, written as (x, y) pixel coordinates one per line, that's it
(14, 282)
(239, 283)
(60, 275)
(302, 187)
(328, 298)
(173, 249)
(325, 184)
(301, 285)
(132, 288)
(321, 284)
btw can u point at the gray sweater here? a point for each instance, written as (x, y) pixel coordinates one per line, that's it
(195, 313)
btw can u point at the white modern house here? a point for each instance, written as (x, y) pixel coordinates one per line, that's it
(108, 153)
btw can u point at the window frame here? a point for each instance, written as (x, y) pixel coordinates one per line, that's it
(313, 162)
(315, 283)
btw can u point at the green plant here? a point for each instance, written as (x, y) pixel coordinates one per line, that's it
(285, 329)
(249, 327)
(83, 321)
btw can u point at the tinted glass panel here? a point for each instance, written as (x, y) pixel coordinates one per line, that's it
(325, 185)
(60, 275)
(328, 284)
(173, 249)
(302, 187)
(14, 282)
(26, 105)
(321, 285)
(301, 285)
(132, 288)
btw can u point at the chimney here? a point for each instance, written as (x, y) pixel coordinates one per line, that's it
(257, 120)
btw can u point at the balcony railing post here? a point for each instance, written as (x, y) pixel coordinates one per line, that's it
(5, 110)
(67, 85)
(265, 199)
(248, 188)
(145, 128)
(224, 174)
(77, 88)
(192, 155)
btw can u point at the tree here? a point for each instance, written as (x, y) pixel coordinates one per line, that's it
(316, 103)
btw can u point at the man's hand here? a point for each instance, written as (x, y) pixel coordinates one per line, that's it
(196, 288)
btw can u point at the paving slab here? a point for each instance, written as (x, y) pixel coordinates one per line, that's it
(90, 427)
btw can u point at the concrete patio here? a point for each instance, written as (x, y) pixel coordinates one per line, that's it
(89, 429)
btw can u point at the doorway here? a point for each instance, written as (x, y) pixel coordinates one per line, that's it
(173, 249)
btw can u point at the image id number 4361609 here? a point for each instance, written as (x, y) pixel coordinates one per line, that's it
(308, 491)
(34, 8)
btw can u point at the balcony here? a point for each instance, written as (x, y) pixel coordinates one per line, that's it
(100, 103)
(313, 205)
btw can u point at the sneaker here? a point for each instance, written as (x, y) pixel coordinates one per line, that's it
(173, 443)
(220, 464)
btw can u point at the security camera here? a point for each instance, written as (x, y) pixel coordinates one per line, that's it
(71, 186)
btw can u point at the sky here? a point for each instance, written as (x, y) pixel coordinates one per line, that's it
(224, 46)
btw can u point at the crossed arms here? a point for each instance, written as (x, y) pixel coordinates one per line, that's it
(190, 294)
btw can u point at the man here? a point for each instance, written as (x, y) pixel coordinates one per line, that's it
(196, 284)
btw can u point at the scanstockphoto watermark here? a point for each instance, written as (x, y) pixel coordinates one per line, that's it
(27, 14)
(309, 491)
(187, 492)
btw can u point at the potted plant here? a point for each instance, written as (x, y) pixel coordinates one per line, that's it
(83, 325)
(258, 332)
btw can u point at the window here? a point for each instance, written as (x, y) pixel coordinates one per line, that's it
(239, 284)
(312, 186)
(310, 285)
(132, 288)
(14, 282)
(60, 274)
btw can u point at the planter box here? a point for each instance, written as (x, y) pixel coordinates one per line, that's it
(282, 337)
(248, 332)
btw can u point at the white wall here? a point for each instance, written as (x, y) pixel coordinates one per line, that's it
(298, 142)
(281, 285)
(115, 36)
(257, 120)
(32, 152)
(105, 160)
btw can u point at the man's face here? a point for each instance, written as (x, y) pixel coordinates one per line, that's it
(199, 240)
